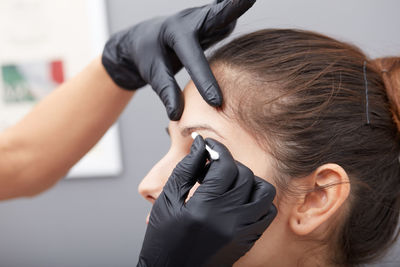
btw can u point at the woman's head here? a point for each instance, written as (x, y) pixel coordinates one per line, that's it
(310, 115)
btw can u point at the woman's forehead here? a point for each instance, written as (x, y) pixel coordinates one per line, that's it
(196, 108)
(198, 115)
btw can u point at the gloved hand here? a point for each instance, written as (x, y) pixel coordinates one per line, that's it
(153, 51)
(228, 212)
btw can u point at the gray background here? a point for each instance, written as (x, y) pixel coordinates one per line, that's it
(101, 222)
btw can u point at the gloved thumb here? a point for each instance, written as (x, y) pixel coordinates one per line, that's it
(165, 85)
(184, 176)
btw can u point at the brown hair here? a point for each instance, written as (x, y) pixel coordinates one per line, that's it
(303, 97)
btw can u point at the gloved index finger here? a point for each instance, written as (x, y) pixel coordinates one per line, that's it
(225, 12)
(193, 59)
(221, 173)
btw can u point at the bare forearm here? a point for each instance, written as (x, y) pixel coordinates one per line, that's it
(43, 146)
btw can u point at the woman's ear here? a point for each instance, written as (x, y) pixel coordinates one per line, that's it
(327, 189)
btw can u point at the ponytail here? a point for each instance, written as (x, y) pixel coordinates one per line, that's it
(389, 67)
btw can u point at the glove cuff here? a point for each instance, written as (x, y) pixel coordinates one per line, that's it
(122, 72)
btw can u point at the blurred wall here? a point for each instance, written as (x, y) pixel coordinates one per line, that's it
(101, 222)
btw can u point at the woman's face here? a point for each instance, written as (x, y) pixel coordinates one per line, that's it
(209, 122)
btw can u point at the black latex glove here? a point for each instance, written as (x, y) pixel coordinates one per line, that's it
(153, 51)
(227, 213)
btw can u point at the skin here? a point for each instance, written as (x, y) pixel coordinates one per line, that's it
(41, 148)
(308, 215)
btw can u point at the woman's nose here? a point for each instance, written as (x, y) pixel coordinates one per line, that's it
(150, 187)
(152, 184)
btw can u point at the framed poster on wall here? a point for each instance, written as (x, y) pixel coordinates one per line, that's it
(43, 43)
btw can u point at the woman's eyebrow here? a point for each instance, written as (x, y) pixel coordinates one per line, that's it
(187, 130)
